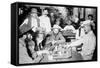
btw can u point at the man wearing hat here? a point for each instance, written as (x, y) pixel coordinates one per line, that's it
(89, 21)
(31, 22)
(88, 41)
(45, 21)
(55, 36)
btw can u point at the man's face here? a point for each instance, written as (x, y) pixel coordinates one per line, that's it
(34, 14)
(45, 12)
(57, 22)
(24, 36)
(90, 18)
(69, 22)
(29, 36)
(55, 31)
(51, 14)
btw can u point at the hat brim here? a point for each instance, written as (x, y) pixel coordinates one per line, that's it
(35, 12)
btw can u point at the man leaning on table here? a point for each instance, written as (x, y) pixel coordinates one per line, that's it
(55, 35)
(88, 41)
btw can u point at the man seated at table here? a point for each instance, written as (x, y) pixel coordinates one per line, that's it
(69, 31)
(30, 45)
(55, 36)
(88, 41)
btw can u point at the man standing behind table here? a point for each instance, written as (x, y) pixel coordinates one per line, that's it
(31, 22)
(88, 41)
(69, 26)
(45, 21)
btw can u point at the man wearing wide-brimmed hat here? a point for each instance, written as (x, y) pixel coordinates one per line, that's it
(31, 22)
(55, 36)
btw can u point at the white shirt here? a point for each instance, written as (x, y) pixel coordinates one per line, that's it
(45, 23)
(89, 43)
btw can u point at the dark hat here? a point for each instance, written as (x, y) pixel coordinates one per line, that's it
(34, 10)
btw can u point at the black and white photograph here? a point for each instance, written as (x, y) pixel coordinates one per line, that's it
(50, 33)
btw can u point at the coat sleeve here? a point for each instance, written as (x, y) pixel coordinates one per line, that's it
(77, 43)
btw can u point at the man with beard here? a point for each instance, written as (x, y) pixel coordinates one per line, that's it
(88, 41)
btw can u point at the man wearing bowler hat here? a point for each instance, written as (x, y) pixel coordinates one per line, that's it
(31, 22)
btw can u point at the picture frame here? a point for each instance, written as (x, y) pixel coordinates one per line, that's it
(19, 13)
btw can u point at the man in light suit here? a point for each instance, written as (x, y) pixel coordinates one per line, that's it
(88, 41)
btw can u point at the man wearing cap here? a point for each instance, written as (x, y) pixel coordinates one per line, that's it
(31, 22)
(55, 36)
(88, 41)
(45, 22)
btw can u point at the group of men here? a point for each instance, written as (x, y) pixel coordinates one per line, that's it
(34, 21)
(53, 35)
